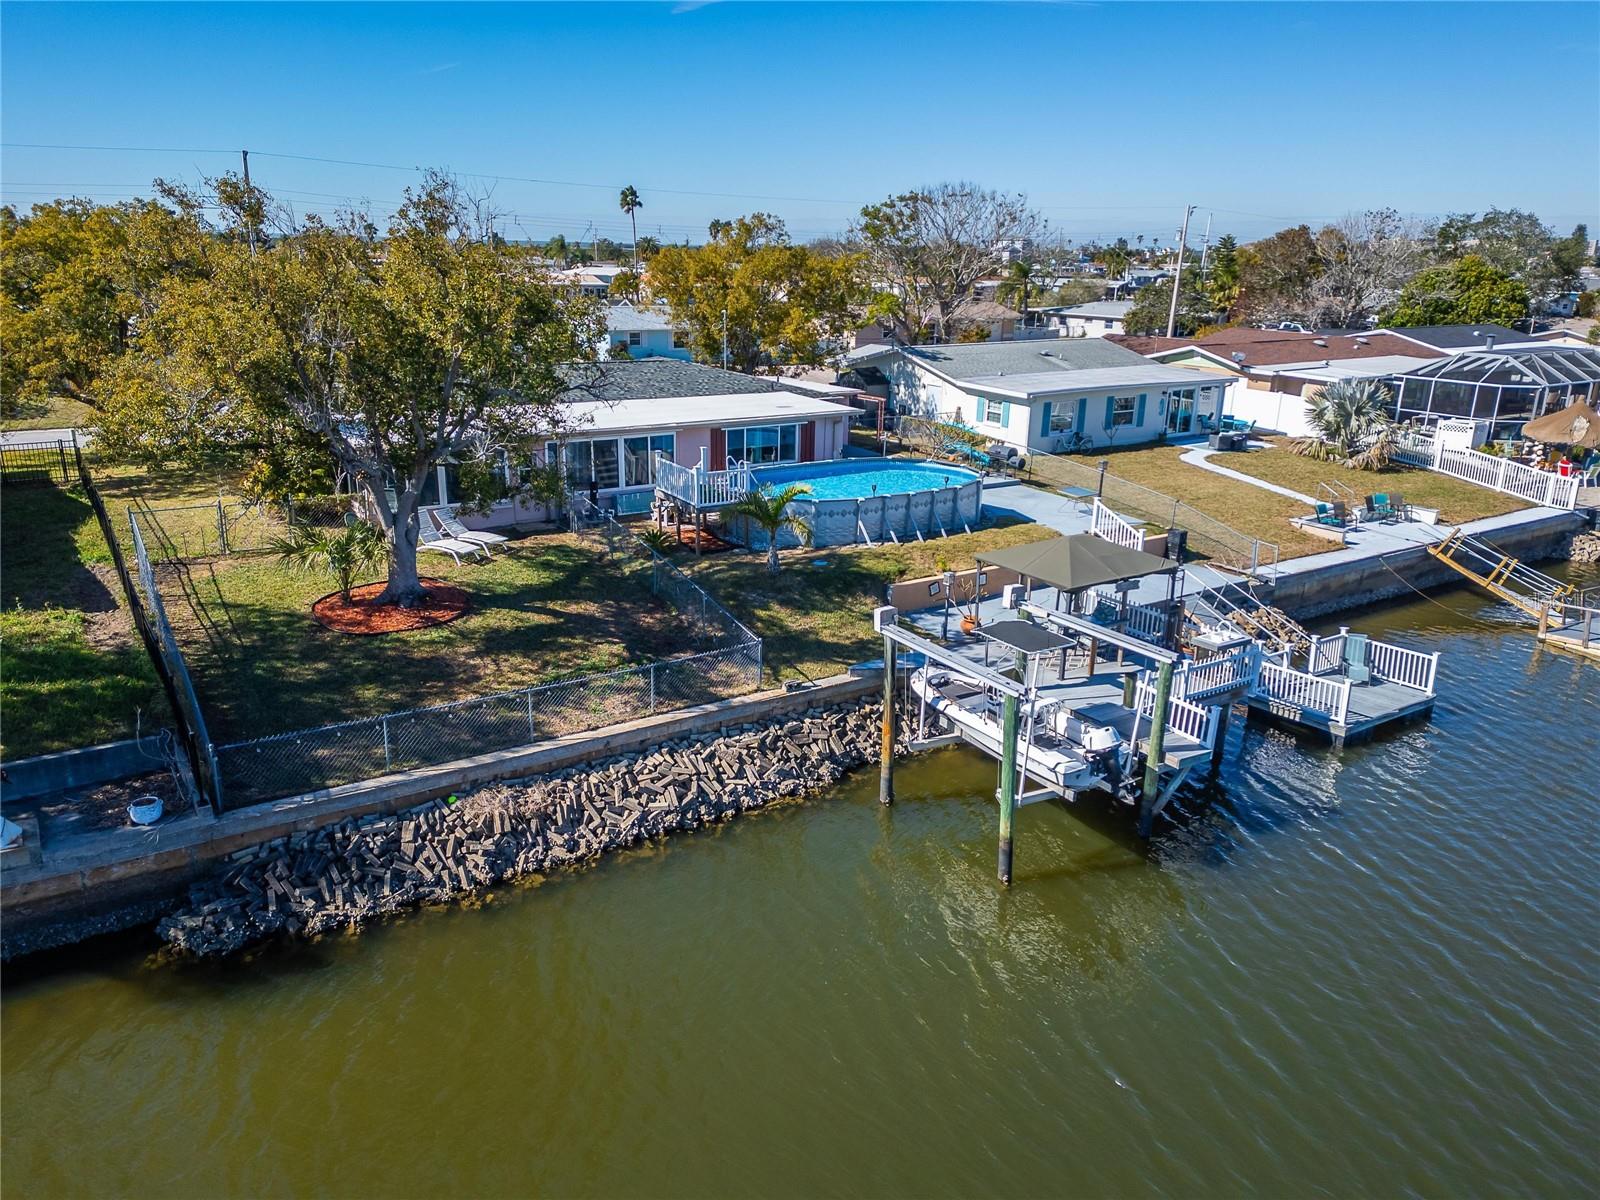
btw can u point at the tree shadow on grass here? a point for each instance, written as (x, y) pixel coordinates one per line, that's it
(39, 547)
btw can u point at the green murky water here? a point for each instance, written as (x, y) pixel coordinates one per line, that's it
(1360, 974)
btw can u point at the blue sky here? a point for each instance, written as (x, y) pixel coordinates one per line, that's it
(1109, 116)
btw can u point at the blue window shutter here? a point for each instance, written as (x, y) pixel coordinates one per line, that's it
(1083, 413)
(1005, 412)
(1111, 408)
(1138, 416)
(1044, 419)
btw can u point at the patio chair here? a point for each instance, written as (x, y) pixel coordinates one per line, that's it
(1326, 516)
(1397, 506)
(431, 538)
(1378, 507)
(1355, 658)
(452, 527)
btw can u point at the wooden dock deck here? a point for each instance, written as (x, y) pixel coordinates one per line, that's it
(1371, 707)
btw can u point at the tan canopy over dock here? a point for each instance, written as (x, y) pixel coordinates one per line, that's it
(1077, 561)
(1575, 425)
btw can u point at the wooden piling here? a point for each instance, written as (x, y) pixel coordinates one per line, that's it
(1224, 712)
(1008, 782)
(1152, 763)
(886, 763)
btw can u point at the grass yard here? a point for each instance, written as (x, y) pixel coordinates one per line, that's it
(815, 618)
(1265, 515)
(1457, 500)
(72, 671)
(58, 412)
(545, 608)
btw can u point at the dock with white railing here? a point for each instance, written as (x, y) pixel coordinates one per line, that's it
(1348, 687)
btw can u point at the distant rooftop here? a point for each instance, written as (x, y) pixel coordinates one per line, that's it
(625, 318)
(963, 361)
(657, 378)
(1456, 337)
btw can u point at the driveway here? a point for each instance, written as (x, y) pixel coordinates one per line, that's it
(14, 437)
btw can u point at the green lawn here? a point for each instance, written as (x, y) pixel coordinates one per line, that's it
(815, 617)
(72, 671)
(58, 412)
(545, 608)
(1255, 511)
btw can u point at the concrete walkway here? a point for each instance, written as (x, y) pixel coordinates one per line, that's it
(15, 437)
(1200, 457)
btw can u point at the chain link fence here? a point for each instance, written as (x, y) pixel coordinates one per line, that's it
(221, 527)
(728, 665)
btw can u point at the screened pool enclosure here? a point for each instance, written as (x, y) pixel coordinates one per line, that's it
(1504, 388)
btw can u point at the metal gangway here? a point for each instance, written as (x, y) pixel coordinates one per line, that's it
(1530, 591)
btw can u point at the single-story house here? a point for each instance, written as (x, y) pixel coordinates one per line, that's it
(643, 332)
(1269, 371)
(1452, 339)
(1036, 395)
(619, 414)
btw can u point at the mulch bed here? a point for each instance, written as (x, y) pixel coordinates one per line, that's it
(444, 604)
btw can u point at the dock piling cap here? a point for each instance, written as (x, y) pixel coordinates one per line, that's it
(884, 617)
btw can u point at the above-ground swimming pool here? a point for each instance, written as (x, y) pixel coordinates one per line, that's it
(876, 499)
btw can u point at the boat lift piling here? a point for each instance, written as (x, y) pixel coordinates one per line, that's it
(886, 763)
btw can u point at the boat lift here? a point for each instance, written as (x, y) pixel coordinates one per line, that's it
(1157, 698)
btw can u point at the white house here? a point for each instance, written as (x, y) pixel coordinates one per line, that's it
(1087, 320)
(1041, 395)
(643, 333)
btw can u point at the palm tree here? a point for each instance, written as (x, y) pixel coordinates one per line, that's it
(1351, 425)
(630, 203)
(765, 510)
(1018, 282)
(350, 550)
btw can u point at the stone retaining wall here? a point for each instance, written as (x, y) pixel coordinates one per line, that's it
(349, 874)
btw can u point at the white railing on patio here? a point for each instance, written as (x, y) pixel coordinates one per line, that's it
(1322, 694)
(1113, 528)
(1419, 448)
(1409, 668)
(1326, 654)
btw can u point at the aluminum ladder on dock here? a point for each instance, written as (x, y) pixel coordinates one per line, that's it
(1519, 585)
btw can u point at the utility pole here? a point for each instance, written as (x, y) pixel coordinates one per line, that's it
(249, 223)
(724, 339)
(1177, 280)
(1205, 249)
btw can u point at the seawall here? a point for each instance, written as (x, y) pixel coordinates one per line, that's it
(123, 878)
(1339, 582)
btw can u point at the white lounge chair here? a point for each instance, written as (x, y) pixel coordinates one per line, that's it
(450, 525)
(432, 539)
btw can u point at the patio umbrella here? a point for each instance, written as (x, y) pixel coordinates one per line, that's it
(1575, 425)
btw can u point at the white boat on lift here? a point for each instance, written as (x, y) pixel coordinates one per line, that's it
(1059, 750)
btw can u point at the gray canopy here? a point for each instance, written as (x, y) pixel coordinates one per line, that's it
(1077, 561)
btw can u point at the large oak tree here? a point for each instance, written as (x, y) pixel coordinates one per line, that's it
(432, 342)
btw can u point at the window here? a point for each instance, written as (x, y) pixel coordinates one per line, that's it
(1108, 322)
(635, 338)
(994, 411)
(1122, 410)
(639, 457)
(680, 340)
(592, 462)
(1060, 418)
(765, 444)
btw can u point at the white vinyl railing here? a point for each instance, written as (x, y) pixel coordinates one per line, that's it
(701, 488)
(1192, 720)
(1326, 654)
(1322, 694)
(1419, 448)
(1409, 668)
(1113, 528)
(1215, 676)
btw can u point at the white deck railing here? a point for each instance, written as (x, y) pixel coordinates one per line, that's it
(1109, 525)
(1191, 720)
(1215, 676)
(1326, 655)
(702, 488)
(1315, 693)
(1409, 668)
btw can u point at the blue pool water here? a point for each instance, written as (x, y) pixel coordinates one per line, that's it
(857, 479)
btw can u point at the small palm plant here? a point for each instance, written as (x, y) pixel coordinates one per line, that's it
(766, 511)
(345, 552)
(1350, 425)
(659, 540)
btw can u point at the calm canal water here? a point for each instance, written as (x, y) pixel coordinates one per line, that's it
(1361, 974)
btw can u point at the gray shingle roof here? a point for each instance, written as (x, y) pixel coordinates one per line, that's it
(657, 378)
(624, 318)
(1456, 337)
(979, 359)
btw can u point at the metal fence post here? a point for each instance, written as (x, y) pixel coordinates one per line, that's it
(532, 737)
(61, 450)
(222, 527)
(652, 689)
(386, 752)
